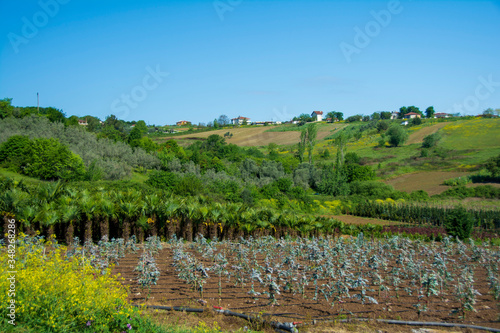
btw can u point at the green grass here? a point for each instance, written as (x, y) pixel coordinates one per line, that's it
(466, 144)
(18, 177)
(472, 134)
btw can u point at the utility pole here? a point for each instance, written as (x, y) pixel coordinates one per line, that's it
(37, 103)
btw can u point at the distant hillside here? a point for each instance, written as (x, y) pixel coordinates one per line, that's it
(257, 136)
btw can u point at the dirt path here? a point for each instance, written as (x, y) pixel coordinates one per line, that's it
(418, 136)
(357, 220)
(430, 182)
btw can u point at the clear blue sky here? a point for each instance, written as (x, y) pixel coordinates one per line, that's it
(265, 60)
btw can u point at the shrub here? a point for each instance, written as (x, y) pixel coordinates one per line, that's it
(493, 166)
(416, 121)
(14, 149)
(284, 184)
(190, 184)
(355, 172)
(49, 159)
(459, 223)
(375, 190)
(163, 180)
(431, 140)
(352, 158)
(382, 126)
(397, 135)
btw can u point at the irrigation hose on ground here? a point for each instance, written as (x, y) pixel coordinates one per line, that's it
(292, 326)
(288, 327)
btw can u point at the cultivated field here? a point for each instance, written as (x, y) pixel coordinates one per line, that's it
(257, 136)
(327, 279)
(431, 182)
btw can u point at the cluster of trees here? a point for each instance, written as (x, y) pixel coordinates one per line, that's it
(41, 158)
(214, 167)
(103, 158)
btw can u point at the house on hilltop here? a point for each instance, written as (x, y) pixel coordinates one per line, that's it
(317, 115)
(412, 115)
(182, 123)
(240, 120)
(83, 122)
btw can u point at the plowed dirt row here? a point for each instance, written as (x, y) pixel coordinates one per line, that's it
(418, 136)
(171, 291)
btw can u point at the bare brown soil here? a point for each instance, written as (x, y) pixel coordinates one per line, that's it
(257, 136)
(171, 291)
(357, 220)
(431, 182)
(418, 136)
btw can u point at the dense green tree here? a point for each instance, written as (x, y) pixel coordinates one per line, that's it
(304, 118)
(54, 115)
(109, 132)
(354, 118)
(141, 125)
(49, 159)
(15, 150)
(416, 121)
(431, 140)
(72, 121)
(147, 144)
(335, 116)
(312, 132)
(385, 115)
(459, 223)
(6, 108)
(493, 166)
(356, 172)
(429, 112)
(334, 181)
(112, 121)
(93, 123)
(134, 137)
(410, 109)
(302, 145)
(382, 126)
(223, 120)
(341, 142)
(397, 135)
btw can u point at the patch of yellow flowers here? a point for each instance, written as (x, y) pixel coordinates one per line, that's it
(57, 294)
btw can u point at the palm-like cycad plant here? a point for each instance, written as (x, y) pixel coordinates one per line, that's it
(107, 211)
(168, 212)
(68, 215)
(187, 212)
(128, 209)
(150, 211)
(88, 208)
